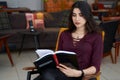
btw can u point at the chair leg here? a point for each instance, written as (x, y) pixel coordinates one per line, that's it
(111, 57)
(21, 46)
(109, 54)
(8, 52)
(116, 51)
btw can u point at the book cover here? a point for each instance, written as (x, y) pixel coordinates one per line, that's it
(50, 59)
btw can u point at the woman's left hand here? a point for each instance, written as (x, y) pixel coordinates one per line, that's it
(69, 71)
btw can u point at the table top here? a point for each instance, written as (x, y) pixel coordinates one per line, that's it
(4, 36)
(101, 10)
(14, 10)
(27, 31)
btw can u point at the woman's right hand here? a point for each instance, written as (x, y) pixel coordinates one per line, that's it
(69, 71)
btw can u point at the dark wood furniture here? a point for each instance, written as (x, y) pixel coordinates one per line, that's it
(110, 28)
(39, 32)
(10, 10)
(3, 42)
(117, 38)
(109, 18)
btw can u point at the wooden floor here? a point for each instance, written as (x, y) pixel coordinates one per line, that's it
(109, 71)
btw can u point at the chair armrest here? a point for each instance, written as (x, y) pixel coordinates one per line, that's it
(29, 73)
(88, 77)
(32, 68)
(4, 37)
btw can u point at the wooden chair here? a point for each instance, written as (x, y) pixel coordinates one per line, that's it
(109, 18)
(110, 28)
(33, 70)
(60, 31)
(117, 38)
(3, 42)
(88, 76)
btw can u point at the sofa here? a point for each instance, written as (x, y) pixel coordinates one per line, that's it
(17, 23)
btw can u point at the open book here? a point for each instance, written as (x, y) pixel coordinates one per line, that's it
(50, 59)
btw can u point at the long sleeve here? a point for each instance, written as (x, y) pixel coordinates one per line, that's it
(97, 53)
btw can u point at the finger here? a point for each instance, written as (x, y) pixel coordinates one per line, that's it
(63, 66)
(60, 67)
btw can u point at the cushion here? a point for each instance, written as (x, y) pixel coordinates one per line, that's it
(4, 21)
(18, 21)
(29, 16)
(37, 19)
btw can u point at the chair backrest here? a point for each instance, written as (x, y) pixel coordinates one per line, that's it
(60, 31)
(109, 18)
(110, 28)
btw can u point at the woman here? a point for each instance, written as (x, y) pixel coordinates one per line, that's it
(83, 38)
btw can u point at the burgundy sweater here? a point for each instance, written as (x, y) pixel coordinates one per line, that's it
(89, 49)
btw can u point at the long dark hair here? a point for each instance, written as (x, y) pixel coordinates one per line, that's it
(85, 9)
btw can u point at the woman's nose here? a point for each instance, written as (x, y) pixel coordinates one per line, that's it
(77, 17)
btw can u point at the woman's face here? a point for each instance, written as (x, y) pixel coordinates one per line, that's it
(78, 19)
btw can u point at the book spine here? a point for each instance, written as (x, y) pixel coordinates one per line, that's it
(56, 60)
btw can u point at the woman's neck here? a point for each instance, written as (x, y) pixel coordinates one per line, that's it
(80, 31)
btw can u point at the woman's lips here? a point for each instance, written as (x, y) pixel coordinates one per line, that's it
(77, 23)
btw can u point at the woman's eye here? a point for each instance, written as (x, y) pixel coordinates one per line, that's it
(73, 15)
(80, 15)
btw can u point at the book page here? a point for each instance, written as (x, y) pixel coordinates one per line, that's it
(68, 58)
(64, 52)
(43, 52)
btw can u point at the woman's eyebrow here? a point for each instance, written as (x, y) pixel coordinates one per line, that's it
(78, 13)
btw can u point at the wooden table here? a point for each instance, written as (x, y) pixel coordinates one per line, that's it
(35, 35)
(10, 10)
(3, 41)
